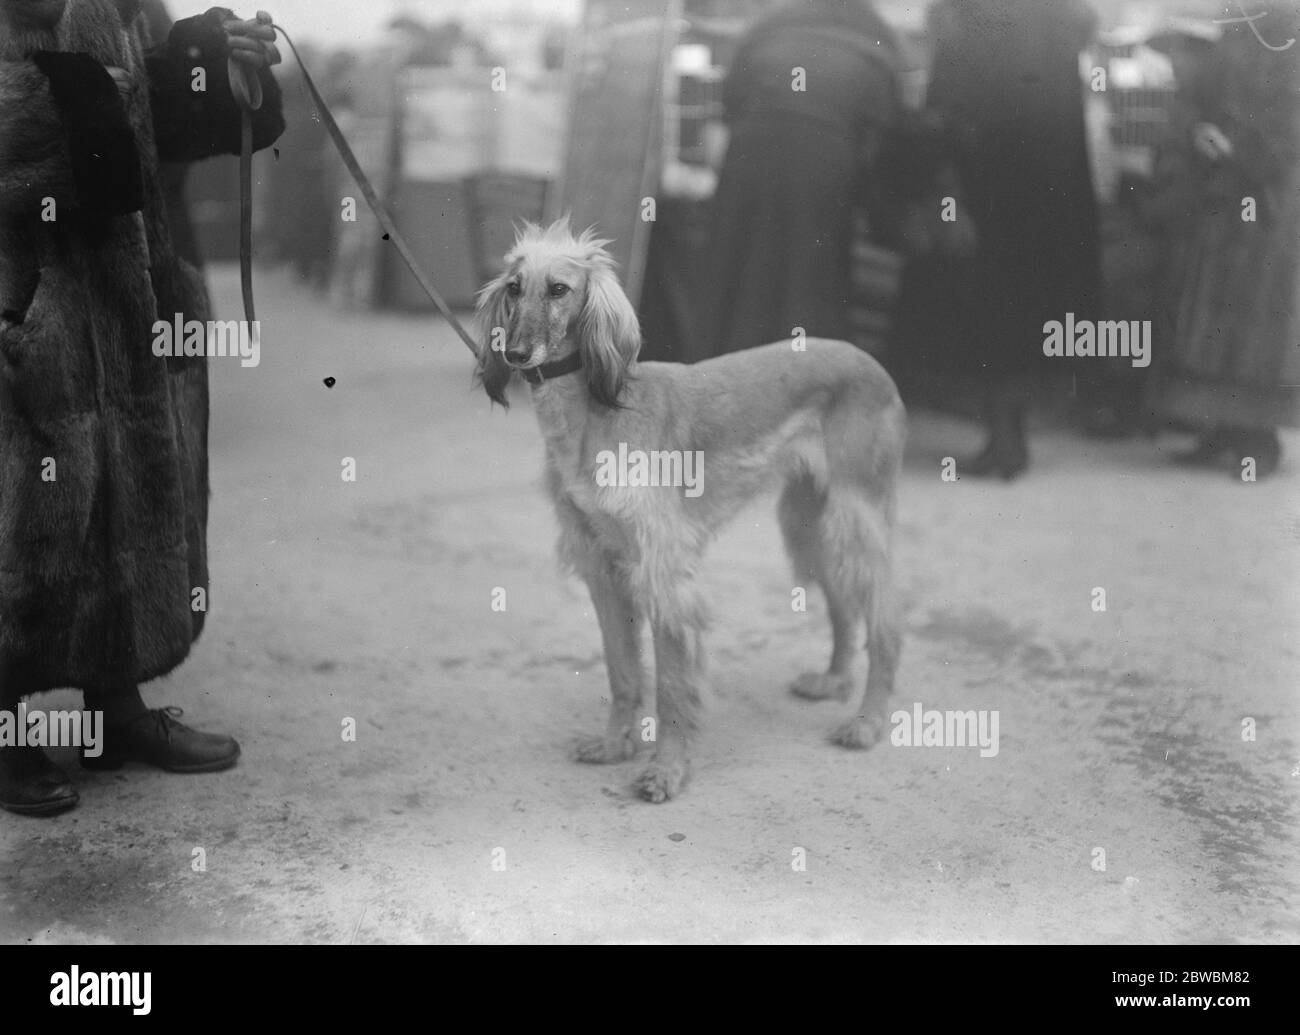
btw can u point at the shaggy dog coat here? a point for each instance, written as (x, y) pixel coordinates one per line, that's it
(103, 445)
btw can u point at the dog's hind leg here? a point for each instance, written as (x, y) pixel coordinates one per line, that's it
(809, 533)
(884, 646)
(621, 626)
(677, 623)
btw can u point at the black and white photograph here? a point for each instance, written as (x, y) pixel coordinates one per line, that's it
(650, 473)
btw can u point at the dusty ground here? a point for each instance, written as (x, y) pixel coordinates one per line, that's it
(1119, 730)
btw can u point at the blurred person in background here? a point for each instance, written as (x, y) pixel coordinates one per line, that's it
(810, 92)
(1006, 84)
(104, 487)
(1230, 322)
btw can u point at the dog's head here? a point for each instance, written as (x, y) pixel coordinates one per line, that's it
(558, 294)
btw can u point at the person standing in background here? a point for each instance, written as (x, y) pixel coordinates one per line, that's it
(1230, 324)
(810, 91)
(1006, 84)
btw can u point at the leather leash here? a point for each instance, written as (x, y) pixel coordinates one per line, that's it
(246, 213)
(247, 90)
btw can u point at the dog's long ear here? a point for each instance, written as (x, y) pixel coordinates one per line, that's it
(493, 321)
(608, 331)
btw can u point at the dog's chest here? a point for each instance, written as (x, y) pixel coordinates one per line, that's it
(562, 436)
(582, 503)
(571, 479)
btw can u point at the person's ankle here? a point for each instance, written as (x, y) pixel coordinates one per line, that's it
(121, 706)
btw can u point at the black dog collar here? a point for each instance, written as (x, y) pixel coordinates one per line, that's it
(568, 365)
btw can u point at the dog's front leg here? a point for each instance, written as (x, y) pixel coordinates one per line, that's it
(620, 629)
(679, 678)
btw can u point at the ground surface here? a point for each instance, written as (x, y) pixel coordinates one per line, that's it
(1119, 731)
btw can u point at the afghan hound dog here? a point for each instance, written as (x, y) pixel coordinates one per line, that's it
(646, 461)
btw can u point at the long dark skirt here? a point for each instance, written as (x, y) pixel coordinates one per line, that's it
(1232, 354)
(782, 233)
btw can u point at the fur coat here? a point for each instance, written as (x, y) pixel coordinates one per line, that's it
(103, 446)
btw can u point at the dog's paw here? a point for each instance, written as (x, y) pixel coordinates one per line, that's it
(603, 750)
(861, 731)
(823, 686)
(660, 781)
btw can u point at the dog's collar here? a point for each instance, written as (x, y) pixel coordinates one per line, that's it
(568, 365)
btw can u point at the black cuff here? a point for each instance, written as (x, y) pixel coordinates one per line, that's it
(105, 158)
(190, 124)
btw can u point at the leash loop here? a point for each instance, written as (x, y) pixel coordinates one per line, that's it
(245, 84)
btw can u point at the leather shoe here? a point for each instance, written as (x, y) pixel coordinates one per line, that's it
(32, 785)
(158, 739)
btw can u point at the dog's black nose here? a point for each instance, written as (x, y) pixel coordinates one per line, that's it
(518, 355)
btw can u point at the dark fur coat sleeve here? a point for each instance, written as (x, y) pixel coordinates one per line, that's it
(191, 124)
(64, 135)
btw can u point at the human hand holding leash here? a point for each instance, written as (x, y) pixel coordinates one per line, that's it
(251, 47)
(252, 43)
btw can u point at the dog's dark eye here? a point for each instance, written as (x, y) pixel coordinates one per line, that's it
(559, 290)
(512, 289)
